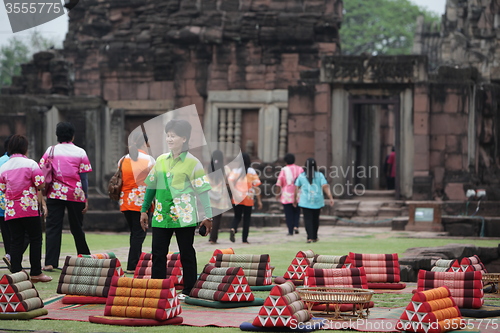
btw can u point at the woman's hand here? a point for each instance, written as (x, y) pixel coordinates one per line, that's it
(259, 205)
(331, 202)
(144, 221)
(86, 207)
(43, 209)
(208, 224)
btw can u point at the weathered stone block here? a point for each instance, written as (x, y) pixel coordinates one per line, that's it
(127, 90)
(421, 144)
(421, 123)
(448, 124)
(421, 161)
(454, 103)
(453, 144)
(110, 91)
(438, 142)
(455, 162)
(455, 191)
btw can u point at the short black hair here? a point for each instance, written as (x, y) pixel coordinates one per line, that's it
(18, 144)
(182, 128)
(289, 158)
(65, 132)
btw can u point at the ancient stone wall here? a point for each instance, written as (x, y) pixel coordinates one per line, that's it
(178, 50)
(467, 37)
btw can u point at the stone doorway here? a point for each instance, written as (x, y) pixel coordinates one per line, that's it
(250, 133)
(372, 133)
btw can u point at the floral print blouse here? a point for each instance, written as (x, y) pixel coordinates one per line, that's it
(176, 183)
(133, 175)
(286, 180)
(19, 178)
(69, 162)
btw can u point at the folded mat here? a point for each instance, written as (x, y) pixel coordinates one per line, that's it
(124, 321)
(222, 305)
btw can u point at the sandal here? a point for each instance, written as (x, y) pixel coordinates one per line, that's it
(6, 260)
(181, 296)
(41, 278)
(48, 268)
(231, 235)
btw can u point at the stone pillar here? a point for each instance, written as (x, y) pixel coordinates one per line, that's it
(222, 129)
(339, 134)
(230, 133)
(237, 131)
(283, 133)
(269, 126)
(406, 149)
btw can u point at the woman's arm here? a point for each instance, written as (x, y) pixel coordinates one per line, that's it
(41, 203)
(295, 195)
(326, 189)
(258, 197)
(148, 199)
(85, 187)
(207, 208)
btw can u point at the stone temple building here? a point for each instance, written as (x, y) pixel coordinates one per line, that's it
(269, 76)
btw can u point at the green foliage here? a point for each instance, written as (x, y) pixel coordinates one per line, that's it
(18, 52)
(11, 56)
(380, 27)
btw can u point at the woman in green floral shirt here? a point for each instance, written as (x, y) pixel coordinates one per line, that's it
(176, 180)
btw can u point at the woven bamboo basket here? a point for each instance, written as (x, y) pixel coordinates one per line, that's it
(491, 277)
(335, 295)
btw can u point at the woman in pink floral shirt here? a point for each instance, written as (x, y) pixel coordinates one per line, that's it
(21, 180)
(285, 193)
(68, 190)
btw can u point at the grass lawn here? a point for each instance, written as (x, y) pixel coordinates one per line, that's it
(282, 252)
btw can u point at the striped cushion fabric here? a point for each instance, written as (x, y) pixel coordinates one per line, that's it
(174, 268)
(336, 277)
(282, 308)
(325, 261)
(142, 298)
(225, 284)
(257, 268)
(445, 265)
(471, 264)
(466, 288)
(87, 276)
(297, 268)
(432, 311)
(379, 267)
(18, 294)
(221, 251)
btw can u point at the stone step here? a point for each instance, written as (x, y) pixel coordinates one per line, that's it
(101, 202)
(347, 203)
(103, 220)
(377, 195)
(389, 212)
(394, 204)
(346, 211)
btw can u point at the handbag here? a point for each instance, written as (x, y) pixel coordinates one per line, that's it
(115, 184)
(47, 168)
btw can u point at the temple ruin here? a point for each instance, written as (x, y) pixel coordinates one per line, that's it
(268, 75)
